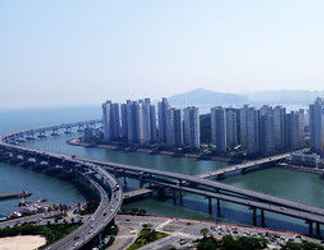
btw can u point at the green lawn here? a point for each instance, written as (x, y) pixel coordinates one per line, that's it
(146, 236)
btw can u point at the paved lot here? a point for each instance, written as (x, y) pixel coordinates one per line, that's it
(183, 232)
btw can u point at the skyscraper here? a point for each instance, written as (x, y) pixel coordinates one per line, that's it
(111, 121)
(124, 128)
(295, 130)
(163, 107)
(191, 127)
(178, 128)
(316, 124)
(267, 140)
(249, 130)
(153, 124)
(170, 131)
(132, 122)
(232, 127)
(174, 127)
(301, 127)
(145, 121)
(218, 128)
(279, 123)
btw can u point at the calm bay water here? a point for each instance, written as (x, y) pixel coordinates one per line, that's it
(308, 188)
(15, 179)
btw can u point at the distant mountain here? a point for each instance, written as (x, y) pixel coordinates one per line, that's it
(203, 97)
(209, 98)
(290, 97)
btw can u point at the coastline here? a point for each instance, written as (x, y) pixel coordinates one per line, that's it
(77, 142)
(304, 169)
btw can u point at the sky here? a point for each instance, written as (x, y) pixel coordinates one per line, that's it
(63, 53)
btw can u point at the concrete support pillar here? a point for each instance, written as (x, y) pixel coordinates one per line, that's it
(100, 239)
(125, 181)
(180, 197)
(210, 205)
(262, 218)
(318, 230)
(174, 196)
(218, 208)
(254, 216)
(310, 227)
(141, 184)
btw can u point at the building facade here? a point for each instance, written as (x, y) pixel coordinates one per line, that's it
(219, 129)
(191, 127)
(250, 130)
(111, 121)
(232, 127)
(163, 108)
(316, 125)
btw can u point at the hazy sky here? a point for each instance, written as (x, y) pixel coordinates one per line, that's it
(67, 52)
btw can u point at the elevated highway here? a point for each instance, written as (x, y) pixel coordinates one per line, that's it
(146, 174)
(220, 191)
(244, 166)
(105, 213)
(177, 182)
(106, 187)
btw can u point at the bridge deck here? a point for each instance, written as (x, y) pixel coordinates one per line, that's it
(137, 193)
(243, 166)
(215, 185)
(253, 204)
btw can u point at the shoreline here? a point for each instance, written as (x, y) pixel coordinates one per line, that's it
(304, 169)
(77, 142)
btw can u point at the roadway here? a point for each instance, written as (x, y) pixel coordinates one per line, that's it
(252, 204)
(104, 214)
(244, 166)
(29, 219)
(211, 186)
(188, 183)
(96, 223)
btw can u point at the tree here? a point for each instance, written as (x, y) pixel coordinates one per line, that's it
(204, 232)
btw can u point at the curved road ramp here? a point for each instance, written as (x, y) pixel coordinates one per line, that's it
(91, 232)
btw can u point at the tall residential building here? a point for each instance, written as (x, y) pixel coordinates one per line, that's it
(249, 130)
(178, 128)
(170, 131)
(153, 124)
(111, 121)
(267, 140)
(191, 127)
(301, 128)
(145, 121)
(163, 108)
(218, 128)
(133, 121)
(295, 130)
(174, 127)
(316, 124)
(232, 127)
(279, 123)
(124, 127)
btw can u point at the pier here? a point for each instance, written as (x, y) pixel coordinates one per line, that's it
(6, 196)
